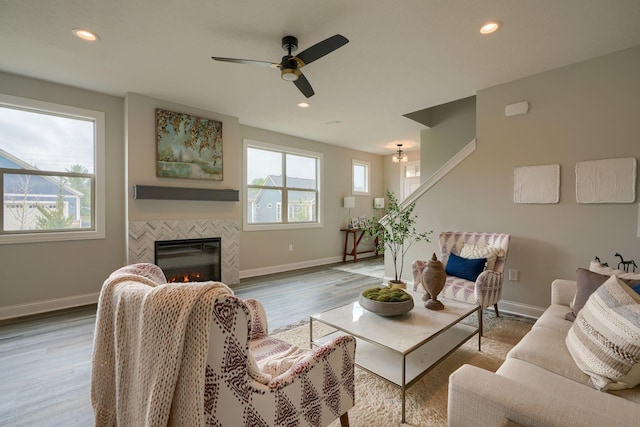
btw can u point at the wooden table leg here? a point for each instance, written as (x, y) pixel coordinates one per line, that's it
(355, 247)
(346, 241)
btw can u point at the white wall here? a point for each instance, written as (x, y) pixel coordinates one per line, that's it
(41, 276)
(580, 112)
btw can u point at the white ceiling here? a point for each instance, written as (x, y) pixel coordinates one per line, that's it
(403, 55)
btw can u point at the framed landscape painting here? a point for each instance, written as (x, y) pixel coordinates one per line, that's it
(188, 146)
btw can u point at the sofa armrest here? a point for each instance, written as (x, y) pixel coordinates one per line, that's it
(482, 398)
(489, 279)
(563, 291)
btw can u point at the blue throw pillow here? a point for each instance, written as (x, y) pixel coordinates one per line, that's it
(465, 268)
(636, 287)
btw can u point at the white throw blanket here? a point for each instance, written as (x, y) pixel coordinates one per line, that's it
(149, 353)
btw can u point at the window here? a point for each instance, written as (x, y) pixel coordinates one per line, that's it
(283, 180)
(360, 177)
(51, 171)
(412, 171)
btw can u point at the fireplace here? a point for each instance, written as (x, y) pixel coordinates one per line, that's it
(189, 260)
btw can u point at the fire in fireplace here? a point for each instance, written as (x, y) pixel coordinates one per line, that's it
(189, 260)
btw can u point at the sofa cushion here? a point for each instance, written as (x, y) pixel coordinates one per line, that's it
(546, 382)
(254, 370)
(459, 289)
(491, 253)
(605, 338)
(545, 347)
(553, 318)
(465, 268)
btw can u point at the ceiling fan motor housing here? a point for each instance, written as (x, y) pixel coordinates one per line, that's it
(289, 68)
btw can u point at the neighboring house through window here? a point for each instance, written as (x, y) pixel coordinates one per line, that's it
(51, 171)
(277, 176)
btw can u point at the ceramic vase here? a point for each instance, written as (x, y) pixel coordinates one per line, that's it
(434, 278)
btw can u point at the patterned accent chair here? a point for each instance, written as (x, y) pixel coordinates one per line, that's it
(487, 289)
(314, 391)
(307, 388)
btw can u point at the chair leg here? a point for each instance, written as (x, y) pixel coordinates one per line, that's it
(496, 307)
(344, 420)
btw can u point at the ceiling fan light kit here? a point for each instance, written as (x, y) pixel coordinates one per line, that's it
(290, 65)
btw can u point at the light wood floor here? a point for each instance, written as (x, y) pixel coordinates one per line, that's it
(45, 360)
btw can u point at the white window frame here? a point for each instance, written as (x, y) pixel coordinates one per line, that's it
(367, 167)
(287, 150)
(98, 117)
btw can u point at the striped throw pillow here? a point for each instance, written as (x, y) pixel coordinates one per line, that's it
(604, 340)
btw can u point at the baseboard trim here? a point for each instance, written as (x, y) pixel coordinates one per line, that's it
(288, 267)
(20, 310)
(519, 309)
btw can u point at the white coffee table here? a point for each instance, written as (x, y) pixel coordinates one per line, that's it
(404, 348)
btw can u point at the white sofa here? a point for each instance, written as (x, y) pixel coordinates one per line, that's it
(539, 384)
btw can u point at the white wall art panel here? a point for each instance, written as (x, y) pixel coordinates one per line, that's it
(536, 184)
(606, 181)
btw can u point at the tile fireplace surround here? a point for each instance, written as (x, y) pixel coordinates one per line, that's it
(143, 234)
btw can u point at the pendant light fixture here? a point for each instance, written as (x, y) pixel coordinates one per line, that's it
(400, 156)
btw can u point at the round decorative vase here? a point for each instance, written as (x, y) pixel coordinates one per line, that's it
(434, 278)
(384, 308)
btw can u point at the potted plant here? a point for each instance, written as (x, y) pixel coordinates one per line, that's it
(396, 232)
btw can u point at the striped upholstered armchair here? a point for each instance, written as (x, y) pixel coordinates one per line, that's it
(486, 289)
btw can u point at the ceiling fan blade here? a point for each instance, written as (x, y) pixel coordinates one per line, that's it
(321, 49)
(247, 61)
(303, 84)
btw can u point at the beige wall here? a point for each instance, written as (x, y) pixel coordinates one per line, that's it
(392, 172)
(581, 112)
(267, 251)
(453, 125)
(40, 277)
(260, 251)
(140, 139)
(70, 273)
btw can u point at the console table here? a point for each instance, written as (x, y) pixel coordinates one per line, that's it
(356, 241)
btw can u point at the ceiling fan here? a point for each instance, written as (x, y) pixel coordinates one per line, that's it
(290, 65)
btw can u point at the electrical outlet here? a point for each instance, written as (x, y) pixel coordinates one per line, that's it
(514, 275)
(290, 247)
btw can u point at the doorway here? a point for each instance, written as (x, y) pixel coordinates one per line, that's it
(409, 178)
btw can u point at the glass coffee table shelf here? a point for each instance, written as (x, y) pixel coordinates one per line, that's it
(404, 348)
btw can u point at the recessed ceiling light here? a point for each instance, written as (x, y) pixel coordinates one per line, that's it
(303, 104)
(84, 34)
(490, 27)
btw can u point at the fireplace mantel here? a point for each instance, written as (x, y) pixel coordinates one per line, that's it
(182, 193)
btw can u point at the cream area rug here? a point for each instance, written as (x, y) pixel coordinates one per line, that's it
(378, 402)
